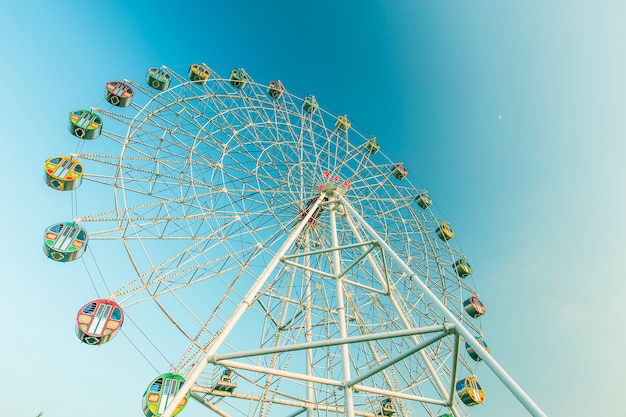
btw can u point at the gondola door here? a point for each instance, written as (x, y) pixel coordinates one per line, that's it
(169, 391)
(100, 319)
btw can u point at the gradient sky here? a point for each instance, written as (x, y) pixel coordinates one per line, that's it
(511, 113)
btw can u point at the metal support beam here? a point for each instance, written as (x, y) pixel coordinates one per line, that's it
(245, 303)
(218, 357)
(506, 379)
(391, 361)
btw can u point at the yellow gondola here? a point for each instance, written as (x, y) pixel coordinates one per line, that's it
(199, 73)
(63, 173)
(445, 232)
(470, 391)
(343, 123)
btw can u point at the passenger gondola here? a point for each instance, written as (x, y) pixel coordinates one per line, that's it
(387, 408)
(472, 353)
(65, 242)
(98, 321)
(275, 89)
(423, 200)
(445, 232)
(63, 173)
(118, 94)
(474, 307)
(85, 124)
(225, 382)
(158, 79)
(199, 73)
(343, 123)
(160, 394)
(470, 391)
(372, 145)
(309, 104)
(463, 268)
(399, 171)
(238, 77)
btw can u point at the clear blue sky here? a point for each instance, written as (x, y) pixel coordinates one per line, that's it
(511, 113)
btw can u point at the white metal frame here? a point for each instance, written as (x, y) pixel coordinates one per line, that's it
(452, 326)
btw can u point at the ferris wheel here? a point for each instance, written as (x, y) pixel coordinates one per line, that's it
(300, 269)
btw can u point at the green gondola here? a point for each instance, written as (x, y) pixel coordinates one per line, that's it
(158, 79)
(238, 77)
(423, 200)
(85, 124)
(160, 394)
(463, 268)
(309, 104)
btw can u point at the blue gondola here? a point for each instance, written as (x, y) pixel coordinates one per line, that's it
(65, 242)
(470, 351)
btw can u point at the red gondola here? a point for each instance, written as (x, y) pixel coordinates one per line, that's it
(276, 89)
(474, 307)
(118, 94)
(98, 321)
(399, 171)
